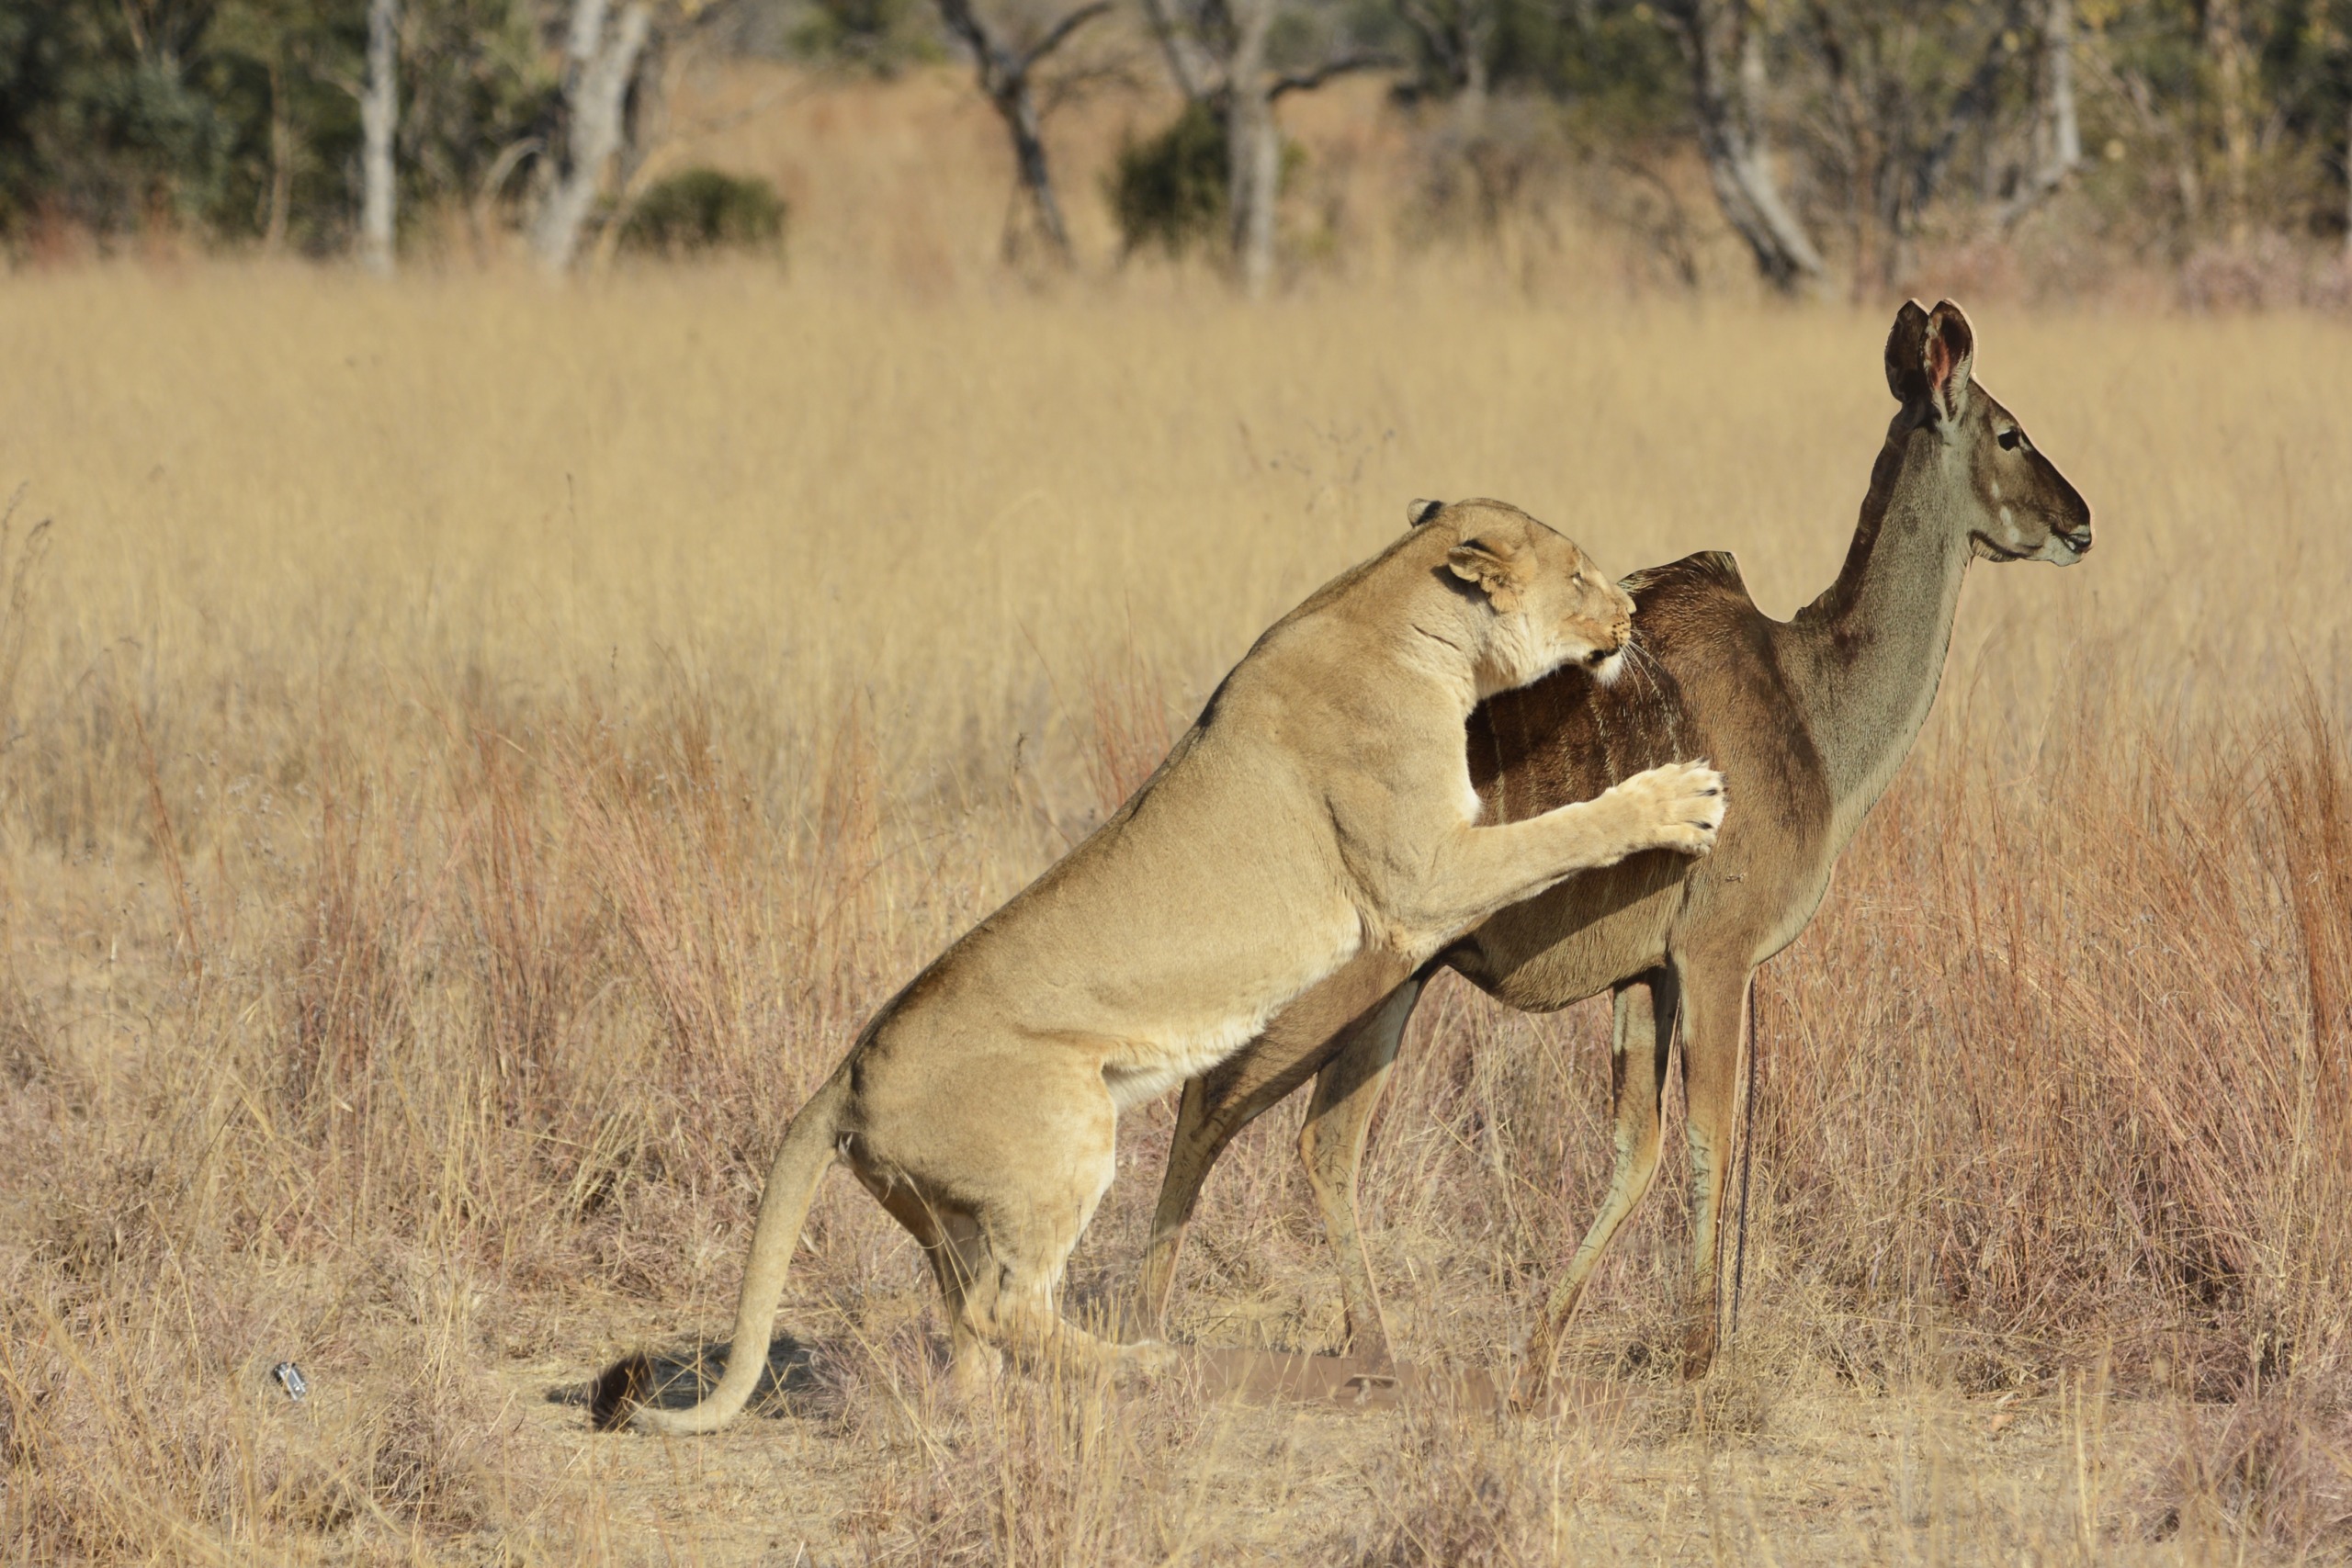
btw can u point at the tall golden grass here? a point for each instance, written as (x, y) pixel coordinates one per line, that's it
(471, 753)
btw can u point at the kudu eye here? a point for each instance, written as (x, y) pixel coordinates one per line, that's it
(2009, 439)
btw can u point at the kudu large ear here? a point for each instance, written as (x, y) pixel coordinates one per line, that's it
(1498, 563)
(1951, 358)
(1930, 355)
(1905, 357)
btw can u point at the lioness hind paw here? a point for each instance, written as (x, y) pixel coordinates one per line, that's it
(1149, 1358)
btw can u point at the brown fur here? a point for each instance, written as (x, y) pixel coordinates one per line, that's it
(1808, 720)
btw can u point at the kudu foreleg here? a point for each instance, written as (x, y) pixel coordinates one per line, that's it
(1346, 1093)
(1214, 1107)
(1227, 1097)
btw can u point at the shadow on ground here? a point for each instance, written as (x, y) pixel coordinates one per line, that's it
(676, 1380)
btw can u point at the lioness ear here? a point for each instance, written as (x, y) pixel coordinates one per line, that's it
(1419, 512)
(1498, 565)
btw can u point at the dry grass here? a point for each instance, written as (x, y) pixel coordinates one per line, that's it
(471, 754)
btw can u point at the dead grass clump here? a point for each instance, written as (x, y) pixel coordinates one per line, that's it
(1740, 1403)
(138, 1415)
(28, 1055)
(114, 1219)
(1452, 1491)
(20, 558)
(1128, 707)
(2063, 1114)
(1058, 1468)
(2274, 1468)
(437, 1448)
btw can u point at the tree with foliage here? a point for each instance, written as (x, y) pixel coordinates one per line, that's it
(1222, 57)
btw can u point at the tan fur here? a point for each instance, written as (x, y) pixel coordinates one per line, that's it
(1318, 813)
(1808, 718)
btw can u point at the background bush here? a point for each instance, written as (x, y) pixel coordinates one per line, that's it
(706, 209)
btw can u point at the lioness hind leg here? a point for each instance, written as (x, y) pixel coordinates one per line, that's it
(956, 1249)
(1029, 1323)
(968, 1276)
(968, 1283)
(1027, 1207)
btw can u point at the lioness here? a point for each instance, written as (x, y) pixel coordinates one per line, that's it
(1320, 806)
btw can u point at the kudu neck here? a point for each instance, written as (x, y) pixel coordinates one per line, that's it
(1874, 643)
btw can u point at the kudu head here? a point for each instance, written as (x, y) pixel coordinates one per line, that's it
(2012, 500)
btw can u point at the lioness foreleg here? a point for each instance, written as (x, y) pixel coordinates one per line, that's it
(1473, 873)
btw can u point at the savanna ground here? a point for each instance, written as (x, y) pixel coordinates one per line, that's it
(472, 752)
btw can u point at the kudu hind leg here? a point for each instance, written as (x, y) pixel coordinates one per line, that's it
(1347, 1091)
(1715, 1032)
(1642, 1036)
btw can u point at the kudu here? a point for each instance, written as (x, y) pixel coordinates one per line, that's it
(1807, 719)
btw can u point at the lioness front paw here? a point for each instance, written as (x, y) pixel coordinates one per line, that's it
(1682, 805)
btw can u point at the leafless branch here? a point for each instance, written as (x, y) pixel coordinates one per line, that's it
(1179, 69)
(1005, 79)
(1338, 65)
(1058, 34)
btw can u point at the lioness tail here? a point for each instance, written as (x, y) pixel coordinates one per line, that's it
(800, 1164)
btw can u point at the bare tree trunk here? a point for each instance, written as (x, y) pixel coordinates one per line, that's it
(1216, 55)
(2057, 136)
(1005, 78)
(1457, 35)
(282, 162)
(1190, 79)
(1727, 56)
(378, 117)
(2226, 44)
(599, 59)
(2065, 149)
(1036, 174)
(1253, 149)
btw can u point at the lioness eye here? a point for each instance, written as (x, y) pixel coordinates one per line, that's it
(2008, 439)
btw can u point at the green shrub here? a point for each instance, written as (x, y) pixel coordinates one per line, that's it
(706, 209)
(879, 38)
(1170, 189)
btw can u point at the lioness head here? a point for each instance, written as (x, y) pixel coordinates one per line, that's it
(1550, 604)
